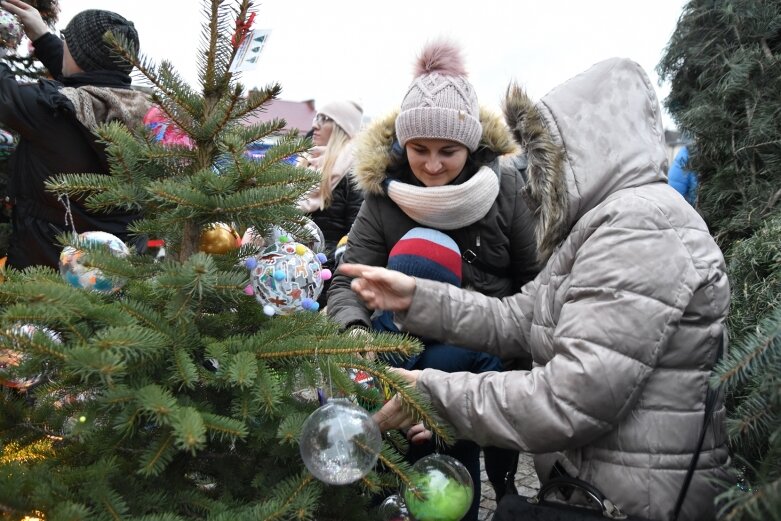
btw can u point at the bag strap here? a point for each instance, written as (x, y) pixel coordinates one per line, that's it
(710, 403)
(609, 510)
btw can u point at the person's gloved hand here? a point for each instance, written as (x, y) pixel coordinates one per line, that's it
(30, 18)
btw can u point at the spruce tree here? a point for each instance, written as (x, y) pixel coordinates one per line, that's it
(724, 64)
(177, 397)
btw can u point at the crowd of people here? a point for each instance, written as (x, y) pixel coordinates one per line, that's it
(570, 303)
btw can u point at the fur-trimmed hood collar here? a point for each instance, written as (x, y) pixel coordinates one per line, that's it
(374, 149)
(595, 134)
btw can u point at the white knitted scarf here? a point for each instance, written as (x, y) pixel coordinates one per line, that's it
(448, 207)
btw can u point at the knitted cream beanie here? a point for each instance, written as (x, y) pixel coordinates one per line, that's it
(440, 102)
(346, 114)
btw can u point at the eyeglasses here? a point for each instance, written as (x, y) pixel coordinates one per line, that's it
(320, 120)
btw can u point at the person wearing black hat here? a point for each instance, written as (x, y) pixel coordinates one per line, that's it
(55, 119)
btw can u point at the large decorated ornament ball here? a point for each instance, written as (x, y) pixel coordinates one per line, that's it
(441, 489)
(12, 355)
(287, 277)
(311, 236)
(78, 275)
(11, 31)
(219, 239)
(340, 442)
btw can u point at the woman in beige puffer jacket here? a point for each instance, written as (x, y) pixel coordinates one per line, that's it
(623, 323)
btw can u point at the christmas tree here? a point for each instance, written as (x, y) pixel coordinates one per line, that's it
(172, 395)
(724, 63)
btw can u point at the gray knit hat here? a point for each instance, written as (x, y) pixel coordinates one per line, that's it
(84, 37)
(440, 102)
(346, 114)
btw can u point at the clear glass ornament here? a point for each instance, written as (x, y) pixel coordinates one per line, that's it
(340, 442)
(394, 509)
(442, 489)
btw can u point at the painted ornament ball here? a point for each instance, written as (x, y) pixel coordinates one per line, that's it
(79, 275)
(287, 277)
(11, 31)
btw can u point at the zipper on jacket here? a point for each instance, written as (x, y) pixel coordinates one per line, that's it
(470, 255)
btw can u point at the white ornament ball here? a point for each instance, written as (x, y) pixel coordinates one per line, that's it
(340, 442)
(11, 30)
(75, 273)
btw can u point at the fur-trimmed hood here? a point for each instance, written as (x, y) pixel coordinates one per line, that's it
(595, 134)
(374, 151)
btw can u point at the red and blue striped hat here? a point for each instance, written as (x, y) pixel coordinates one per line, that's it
(428, 254)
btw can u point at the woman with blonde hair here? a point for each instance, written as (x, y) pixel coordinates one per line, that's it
(334, 203)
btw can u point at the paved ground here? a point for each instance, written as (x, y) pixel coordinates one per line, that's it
(525, 480)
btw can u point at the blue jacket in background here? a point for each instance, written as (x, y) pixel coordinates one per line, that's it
(683, 180)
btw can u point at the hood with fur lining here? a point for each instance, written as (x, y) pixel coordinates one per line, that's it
(595, 134)
(374, 147)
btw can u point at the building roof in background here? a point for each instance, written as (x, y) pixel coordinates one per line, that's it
(297, 114)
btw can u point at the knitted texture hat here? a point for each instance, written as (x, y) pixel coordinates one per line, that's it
(84, 38)
(428, 254)
(440, 102)
(346, 114)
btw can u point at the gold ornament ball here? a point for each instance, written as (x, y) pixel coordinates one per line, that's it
(219, 239)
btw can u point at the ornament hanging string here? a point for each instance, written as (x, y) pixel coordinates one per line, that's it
(321, 396)
(66, 202)
(242, 30)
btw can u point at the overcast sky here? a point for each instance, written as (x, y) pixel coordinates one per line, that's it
(365, 49)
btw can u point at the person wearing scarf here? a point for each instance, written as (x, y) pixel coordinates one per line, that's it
(55, 119)
(442, 162)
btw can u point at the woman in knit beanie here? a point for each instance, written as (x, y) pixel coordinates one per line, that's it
(443, 163)
(334, 202)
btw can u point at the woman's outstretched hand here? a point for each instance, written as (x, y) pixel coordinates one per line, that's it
(393, 415)
(380, 288)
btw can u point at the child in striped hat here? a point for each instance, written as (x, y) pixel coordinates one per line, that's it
(431, 254)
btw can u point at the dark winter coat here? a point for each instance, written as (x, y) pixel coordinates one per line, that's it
(499, 248)
(335, 221)
(54, 140)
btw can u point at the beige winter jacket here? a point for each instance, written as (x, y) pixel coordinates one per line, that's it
(624, 321)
